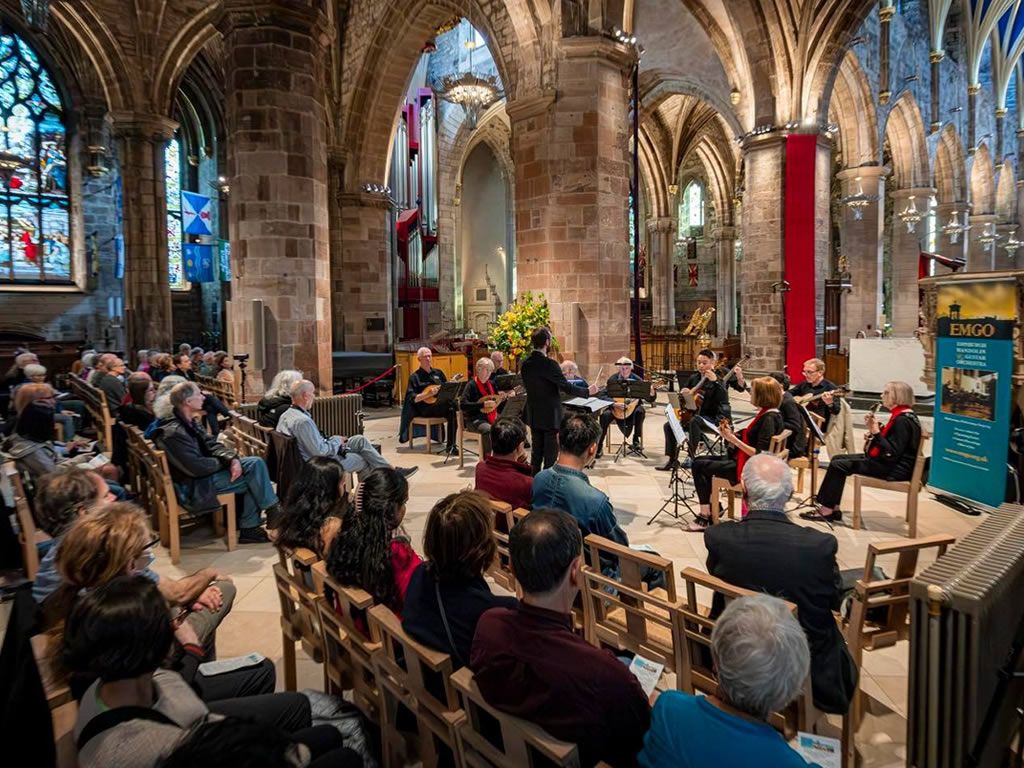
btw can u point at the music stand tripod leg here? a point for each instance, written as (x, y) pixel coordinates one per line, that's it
(676, 497)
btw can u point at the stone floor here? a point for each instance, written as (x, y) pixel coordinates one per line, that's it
(637, 491)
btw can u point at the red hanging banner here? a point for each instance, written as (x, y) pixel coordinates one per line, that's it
(801, 154)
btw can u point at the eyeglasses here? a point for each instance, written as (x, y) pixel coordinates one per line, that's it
(149, 546)
(809, 373)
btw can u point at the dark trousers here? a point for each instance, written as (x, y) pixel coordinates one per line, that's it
(483, 428)
(841, 467)
(543, 448)
(290, 712)
(440, 411)
(695, 434)
(707, 467)
(213, 407)
(251, 681)
(634, 423)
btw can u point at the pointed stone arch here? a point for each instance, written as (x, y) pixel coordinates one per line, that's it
(852, 108)
(950, 171)
(1006, 194)
(904, 129)
(983, 182)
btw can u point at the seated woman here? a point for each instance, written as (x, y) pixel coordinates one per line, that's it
(31, 446)
(479, 387)
(370, 552)
(224, 368)
(277, 399)
(138, 411)
(761, 655)
(161, 366)
(765, 394)
(890, 451)
(317, 504)
(135, 713)
(448, 594)
(65, 408)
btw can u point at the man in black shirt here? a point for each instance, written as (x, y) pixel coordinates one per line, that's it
(714, 406)
(792, 418)
(423, 377)
(635, 421)
(815, 383)
(498, 358)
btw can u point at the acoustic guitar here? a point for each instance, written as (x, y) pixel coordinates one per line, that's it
(810, 398)
(492, 402)
(685, 415)
(434, 389)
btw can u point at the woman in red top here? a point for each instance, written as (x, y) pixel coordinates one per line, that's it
(370, 551)
(479, 388)
(890, 453)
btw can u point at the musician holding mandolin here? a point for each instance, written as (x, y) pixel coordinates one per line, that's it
(815, 385)
(424, 384)
(481, 401)
(708, 389)
(629, 415)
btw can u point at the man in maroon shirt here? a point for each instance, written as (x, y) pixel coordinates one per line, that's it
(528, 662)
(505, 475)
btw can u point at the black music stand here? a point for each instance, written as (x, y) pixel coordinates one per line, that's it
(451, 394)
(514, 408)
(675, 485)
(629, 390)
(507, 382)
(816, 438)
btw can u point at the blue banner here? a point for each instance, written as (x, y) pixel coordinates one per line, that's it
(224, 254)
(196, 214)
(973, 369)
(198, 262)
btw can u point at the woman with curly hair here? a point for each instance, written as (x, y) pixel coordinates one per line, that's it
(317, 504)
(370, 551)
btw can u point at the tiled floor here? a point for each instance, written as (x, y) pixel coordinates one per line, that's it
(636, 490)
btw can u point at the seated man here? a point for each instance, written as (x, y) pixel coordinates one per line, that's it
(767, 552)
(528, 662)
(506, 475)
(792, 418)
(761, 655)
(202, 468)
(632, 424)
(420, 390)
(109, 372)
(354, 453)
(817, 386)
(498, 358)
(571, 371)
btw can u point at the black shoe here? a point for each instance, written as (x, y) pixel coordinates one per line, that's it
(452, 450)
(687, 463)
(815, 515)
(274, 515)
(637, 446)
(699, 524)
(407, 472)
(252, 536)
(668, 466)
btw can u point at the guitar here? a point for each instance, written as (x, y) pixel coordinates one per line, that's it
(492, 402)
(685, 415)
(434, 389)
(810, 398)
(623, 408)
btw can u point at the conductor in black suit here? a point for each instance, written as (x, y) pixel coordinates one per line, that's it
(543, 380)
(766, 552)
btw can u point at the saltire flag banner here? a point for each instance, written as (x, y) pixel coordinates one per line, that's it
(196, 214)
(198, 262)
(693, 275)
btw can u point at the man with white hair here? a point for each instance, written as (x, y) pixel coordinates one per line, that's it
(421, 389)
(769, 553)
(761, 656)
(355, 453)
(110, 368)
(498, 358)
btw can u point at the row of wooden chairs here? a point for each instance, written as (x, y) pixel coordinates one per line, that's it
(99, 410)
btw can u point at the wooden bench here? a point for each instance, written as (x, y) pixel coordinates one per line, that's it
(910, 487)
(225, 391)
(95, 400)
(248, 437)
(300, 619)
(29, 537)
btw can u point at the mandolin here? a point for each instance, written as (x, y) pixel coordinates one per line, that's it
(868, 437)
(490, 403)
(434, 389)
(810, 398)
(685, 415)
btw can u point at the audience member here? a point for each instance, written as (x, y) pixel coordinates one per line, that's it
(223, 368)
(135, 712)
(138, 410)
(369, 552)
(207, 366)
(89, 358)
(16, 373)
(63, 409)
(769, 553)
(528, 662)
(355, 453)
(316, 507)
(142, 361)
(109, 371)
(31, 446)
(447, 593)
(202, 468)
(277, 399)
(761, 657)
(506, 474)
(161, 366)
(162, 407)
(183, 366)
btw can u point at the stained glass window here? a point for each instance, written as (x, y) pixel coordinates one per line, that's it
(34, 208)
(172, 171)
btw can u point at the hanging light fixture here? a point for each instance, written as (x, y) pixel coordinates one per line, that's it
(858, 202)
(988, 236)
(1012, 244)
(953, 228)
(472, 92)
(910, 215)
(36, 13)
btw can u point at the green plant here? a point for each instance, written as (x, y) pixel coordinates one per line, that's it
(512, 332)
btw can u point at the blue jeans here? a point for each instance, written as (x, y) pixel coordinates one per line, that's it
(254, 483)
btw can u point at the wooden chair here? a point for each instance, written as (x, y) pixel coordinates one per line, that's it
(719, 485)
(63, 707)
(28, 535)
(501, 569)
(164, 504)
(348, 647)
(419, 678)
(226, 391)
(503, 520)
(910, 487)
(95, 400)
(471, 435)
(521, 743)
(880, 613)
(300, 618)
(694, 670)
(622, 614)
(249, 438)
(428, 423)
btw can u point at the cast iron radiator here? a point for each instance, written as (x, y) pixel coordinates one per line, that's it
(334, 415)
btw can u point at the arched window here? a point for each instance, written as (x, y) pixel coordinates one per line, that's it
(172, 172)
(691, 211)
(34, 210)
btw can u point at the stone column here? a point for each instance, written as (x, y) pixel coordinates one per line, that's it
(861, 244)
(980, 255)
(572, 190)
(725, 259)
(663, 288)
(905, 255)
(142, 140)
(936, 57)
(362, 279)
(1000, 120)
(277, 163)
(885, 14)
(972, 117)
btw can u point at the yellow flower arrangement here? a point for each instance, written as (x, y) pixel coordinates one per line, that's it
(511, 334)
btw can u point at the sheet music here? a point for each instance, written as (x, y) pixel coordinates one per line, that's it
(592, 404)
(688, 402)
(710, 426)
(673, 423)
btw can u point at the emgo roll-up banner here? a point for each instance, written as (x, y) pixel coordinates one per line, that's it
(973, 370)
